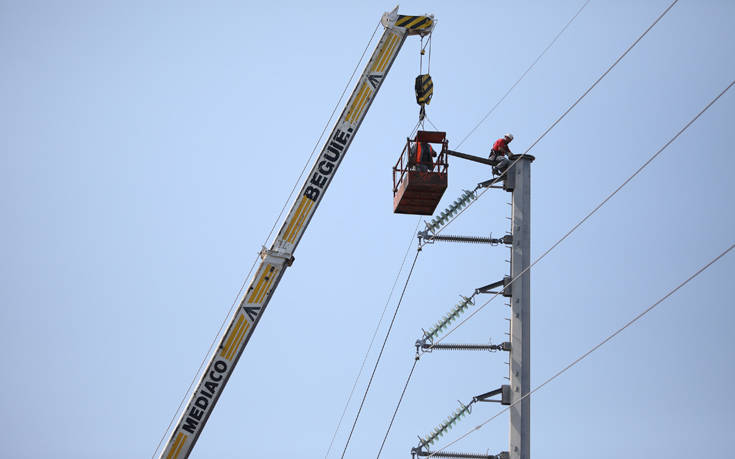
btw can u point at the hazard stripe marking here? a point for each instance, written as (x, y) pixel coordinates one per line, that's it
(176, 448)
(238, 341)
(267, 286)
(260, 284)
(352, 111)
(293, 220)
(300, 221)
(231, 338)
(386, 58)
(361, 103)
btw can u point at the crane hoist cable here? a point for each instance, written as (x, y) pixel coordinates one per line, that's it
(591, 350)
(424, 86)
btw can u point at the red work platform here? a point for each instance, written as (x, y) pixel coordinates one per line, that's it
(418, 187)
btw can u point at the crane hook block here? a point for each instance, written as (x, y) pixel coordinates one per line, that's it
(424, 89)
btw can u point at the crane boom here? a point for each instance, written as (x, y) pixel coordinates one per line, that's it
(276, 259)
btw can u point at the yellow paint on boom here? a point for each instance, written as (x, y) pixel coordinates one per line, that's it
(238, 341)
(231, 338)
(391, 47)
(257, 288)
(293, 219)
(266, 287)
(176, 448)
(302, 219)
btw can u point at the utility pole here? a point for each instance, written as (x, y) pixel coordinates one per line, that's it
(519, 183)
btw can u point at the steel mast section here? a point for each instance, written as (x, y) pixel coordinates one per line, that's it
(280, 256)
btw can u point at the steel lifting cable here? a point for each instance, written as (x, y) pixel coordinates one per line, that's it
(563, 115)
(593, 349)
(270, 233)
(372, 340)
(387, 334)
(593, 211)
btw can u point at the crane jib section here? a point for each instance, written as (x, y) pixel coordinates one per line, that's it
(274, 261)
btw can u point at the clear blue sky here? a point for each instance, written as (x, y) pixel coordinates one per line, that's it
(147, 148)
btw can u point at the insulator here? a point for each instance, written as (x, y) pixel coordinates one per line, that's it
(456, 455)
(449, 317)
(468, 239)
(462, 347)
(451, 210)
(446, 425)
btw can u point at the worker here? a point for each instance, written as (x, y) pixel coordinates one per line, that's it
(499, 154)
(421, 154)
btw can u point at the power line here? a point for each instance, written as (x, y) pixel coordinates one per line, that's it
(563, 115)
(594, 348)
(523, 75)
(387, 334)
(372, 340)
(592, 212)
(602, 76)
(571, 106)
(398, 405)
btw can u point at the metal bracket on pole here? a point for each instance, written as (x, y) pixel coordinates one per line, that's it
(503, 391)
(504, 282)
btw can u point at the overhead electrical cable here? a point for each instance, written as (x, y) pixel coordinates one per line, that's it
(593, 211)
(270, 233)
(523, 75)
(590, 351)
(398, 405)
(460, 143)
(387, 334)
(372, 340)
(579, 99)
(533, 145)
